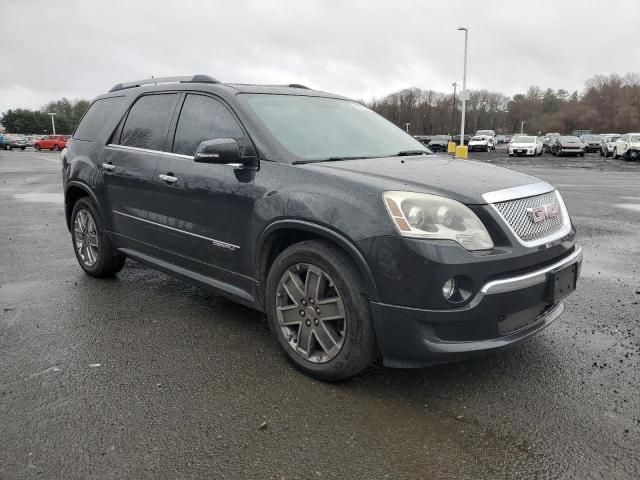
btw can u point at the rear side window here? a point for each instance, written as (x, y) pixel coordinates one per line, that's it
(95, 118)
(203, 118)
(147, 122)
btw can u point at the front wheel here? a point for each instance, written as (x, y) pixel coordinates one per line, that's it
(38, 147)
(318, 310)
(92, 246)
(615, 153)
(56, 148)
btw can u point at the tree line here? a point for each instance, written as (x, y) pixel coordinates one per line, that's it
(25, 121)
(608, 103)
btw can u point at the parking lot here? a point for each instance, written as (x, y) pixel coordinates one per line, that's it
(143, 376)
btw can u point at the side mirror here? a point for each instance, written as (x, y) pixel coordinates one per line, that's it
(218, 150)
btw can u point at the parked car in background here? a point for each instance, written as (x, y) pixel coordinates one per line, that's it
(487, 133)
(483, 143)
(51, 142)
(591, 142)
(9, 142)
(568, 145)
(550, 140)
(525, 145)
(501, 139)
(456, 139)
(423, 139)
(608, 143)
(627, 147)
(439, 143)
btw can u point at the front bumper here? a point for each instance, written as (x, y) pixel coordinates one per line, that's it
(477, 146)
(504, 312)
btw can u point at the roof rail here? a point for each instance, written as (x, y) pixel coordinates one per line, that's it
(153, 81)
(297, 85)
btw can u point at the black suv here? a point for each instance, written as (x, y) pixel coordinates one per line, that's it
(348, 233)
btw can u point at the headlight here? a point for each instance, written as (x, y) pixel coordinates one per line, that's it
(420, 215)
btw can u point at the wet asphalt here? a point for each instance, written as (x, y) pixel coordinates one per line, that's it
(143, 376)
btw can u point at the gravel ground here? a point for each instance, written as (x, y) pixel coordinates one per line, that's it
(143, 376)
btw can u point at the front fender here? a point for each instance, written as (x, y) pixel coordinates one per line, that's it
(322, 231)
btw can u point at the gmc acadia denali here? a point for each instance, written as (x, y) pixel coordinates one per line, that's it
(354, 239)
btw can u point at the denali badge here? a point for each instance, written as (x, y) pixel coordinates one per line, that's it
(544, 212)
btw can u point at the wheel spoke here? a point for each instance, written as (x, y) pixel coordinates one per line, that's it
(312, 283)
(304, 339)
(327, 337)
(331, 309)
(294, 287)
(92, 239)
(289, 315)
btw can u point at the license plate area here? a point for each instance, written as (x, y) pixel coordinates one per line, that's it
(562, 282)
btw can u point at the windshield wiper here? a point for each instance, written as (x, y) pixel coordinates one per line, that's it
(408, 153)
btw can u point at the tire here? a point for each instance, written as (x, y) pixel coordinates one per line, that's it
(56, 148)
(355, 348)
(581, 154)
(23, 148)
(615, 153)
(37, 147)
(103, 261)
(488, 149)
(9, 147)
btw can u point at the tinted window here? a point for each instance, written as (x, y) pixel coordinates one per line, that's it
(203, 118)
(95, 118)
(147, 122)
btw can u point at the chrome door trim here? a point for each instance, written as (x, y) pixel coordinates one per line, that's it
(515, 193)
(213, 241)
(146, 150)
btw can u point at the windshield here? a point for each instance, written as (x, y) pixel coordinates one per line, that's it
(570, 140)
(479, 139)
(591, 138)
(439, 137)
(491, 133)
(635, 138)
(613, 138)
(317, 128)
(525, 140)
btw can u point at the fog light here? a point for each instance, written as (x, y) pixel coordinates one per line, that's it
(449, 288)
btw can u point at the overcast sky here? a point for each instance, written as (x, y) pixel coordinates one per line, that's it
(362, 49)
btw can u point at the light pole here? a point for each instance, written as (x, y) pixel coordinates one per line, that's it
(453, 113)
(464, 83)
(522, 126)
(53, 123)
(407, 126)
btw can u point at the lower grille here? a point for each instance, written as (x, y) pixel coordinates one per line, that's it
(517, 214)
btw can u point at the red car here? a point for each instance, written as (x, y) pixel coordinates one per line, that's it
(51, 142)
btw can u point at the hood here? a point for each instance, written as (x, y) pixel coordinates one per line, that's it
(461, 180)
(522, 144)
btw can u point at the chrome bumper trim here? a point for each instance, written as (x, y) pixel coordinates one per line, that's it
(529, 279)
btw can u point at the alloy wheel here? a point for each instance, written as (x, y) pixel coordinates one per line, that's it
(310, 313)
(86, 238)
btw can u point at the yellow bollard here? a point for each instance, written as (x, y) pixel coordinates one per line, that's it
(451, 147)
(462, 151)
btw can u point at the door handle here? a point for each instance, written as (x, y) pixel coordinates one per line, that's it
(168, 178)
(108, 166)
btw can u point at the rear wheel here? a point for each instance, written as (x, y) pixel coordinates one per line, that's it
(56, 148)
(92, 246)
(318, 310)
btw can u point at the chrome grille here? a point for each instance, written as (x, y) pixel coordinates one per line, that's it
(515, 213)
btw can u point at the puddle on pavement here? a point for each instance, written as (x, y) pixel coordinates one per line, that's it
(628, 206)
(57, 198)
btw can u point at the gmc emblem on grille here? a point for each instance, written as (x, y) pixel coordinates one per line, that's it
(543, 212)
